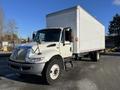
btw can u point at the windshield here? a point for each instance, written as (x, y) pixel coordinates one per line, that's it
(48, 35)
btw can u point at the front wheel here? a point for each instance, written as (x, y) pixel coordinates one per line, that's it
(52, 71)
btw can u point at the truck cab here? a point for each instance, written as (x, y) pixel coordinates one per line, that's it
(45, 55)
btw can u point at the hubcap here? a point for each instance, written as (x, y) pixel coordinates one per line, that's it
(54, 71)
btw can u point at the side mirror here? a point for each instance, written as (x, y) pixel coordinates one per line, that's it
(63, 37)
(67, 29)
(66, 35)
(33, 36)
(70, 35)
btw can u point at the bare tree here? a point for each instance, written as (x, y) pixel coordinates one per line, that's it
(11, 30)
(1, 23)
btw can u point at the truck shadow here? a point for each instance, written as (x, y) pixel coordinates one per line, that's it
(86, 60)
(32, 79)
(5, 72)
(111, 54)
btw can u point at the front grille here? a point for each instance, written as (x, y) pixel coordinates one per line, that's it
(19, 54)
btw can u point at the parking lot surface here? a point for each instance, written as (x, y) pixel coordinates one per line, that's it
(85, 75)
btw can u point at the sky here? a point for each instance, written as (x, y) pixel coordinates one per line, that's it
(30, 14)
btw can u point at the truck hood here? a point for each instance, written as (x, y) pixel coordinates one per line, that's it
(27, 45)
(42, 47)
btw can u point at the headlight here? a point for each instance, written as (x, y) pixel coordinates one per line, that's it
(33, 57)
(34, 60)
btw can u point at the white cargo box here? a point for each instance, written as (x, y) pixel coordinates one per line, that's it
(88, 33)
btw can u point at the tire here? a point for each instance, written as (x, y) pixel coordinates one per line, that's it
(95, 56)
(52, 71)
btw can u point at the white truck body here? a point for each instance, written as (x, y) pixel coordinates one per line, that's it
(70, 34)
(89, 32)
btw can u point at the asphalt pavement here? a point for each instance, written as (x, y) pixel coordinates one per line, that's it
(85, 75)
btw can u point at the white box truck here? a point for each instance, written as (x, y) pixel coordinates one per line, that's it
(70, 35)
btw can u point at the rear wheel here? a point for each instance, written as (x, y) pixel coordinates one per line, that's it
(95, 56)
(52, 71)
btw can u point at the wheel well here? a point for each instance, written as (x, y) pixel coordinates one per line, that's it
(58, 58)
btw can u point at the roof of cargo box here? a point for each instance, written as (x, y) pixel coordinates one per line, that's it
(50, 28)
(70, 9)
(64, 10)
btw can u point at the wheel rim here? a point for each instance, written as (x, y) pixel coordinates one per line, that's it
(54, 71)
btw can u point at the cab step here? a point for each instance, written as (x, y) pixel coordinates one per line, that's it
(68, 64)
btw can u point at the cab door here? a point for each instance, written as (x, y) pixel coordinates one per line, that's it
(66, 47)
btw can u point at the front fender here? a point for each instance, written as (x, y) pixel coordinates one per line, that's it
(49, 54)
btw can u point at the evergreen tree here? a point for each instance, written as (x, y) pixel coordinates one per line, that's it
(114, 29)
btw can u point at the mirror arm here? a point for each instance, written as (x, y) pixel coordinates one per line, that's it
(64, 37)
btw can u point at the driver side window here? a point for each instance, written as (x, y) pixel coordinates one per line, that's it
(67, 36)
